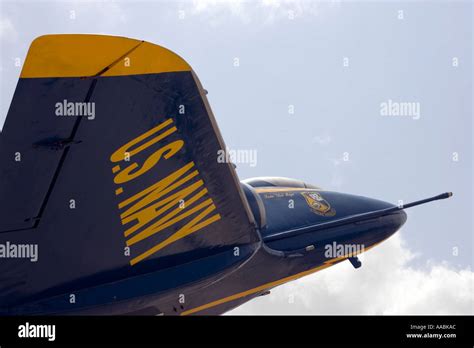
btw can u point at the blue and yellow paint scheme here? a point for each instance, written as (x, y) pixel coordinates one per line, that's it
(131, 211)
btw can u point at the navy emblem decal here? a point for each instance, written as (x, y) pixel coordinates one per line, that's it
(318, 204)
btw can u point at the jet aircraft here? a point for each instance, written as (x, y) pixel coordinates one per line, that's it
(112, 200)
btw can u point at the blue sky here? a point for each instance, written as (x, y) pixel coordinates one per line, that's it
(292, 53)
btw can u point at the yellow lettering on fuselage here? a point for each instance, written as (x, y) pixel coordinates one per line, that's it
(164, 204)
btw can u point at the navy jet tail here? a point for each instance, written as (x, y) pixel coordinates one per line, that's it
(109, 166)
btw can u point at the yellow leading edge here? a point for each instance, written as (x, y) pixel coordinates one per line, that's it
(82, 55)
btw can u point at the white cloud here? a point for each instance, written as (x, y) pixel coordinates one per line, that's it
(216, 12)
(385, 284)
(110, 14)
(322, 139)
(7, 30)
